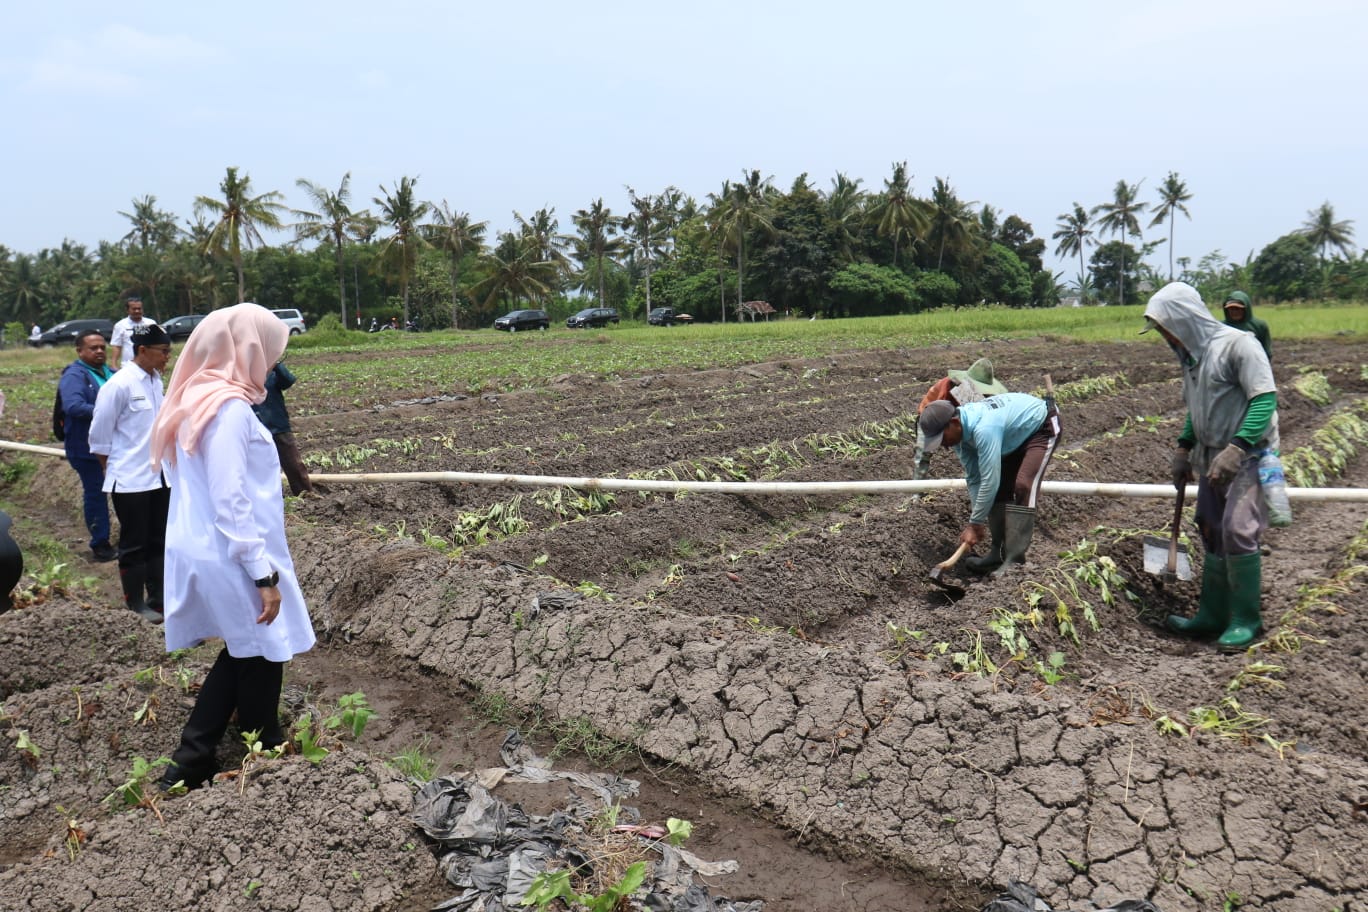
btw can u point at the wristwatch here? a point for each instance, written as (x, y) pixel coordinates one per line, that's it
(267, 582)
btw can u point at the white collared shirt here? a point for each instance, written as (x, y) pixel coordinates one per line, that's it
(121, 429)
(123, 336)
(226, 528)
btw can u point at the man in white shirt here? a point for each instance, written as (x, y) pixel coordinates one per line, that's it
(121, 342)
(120, 438)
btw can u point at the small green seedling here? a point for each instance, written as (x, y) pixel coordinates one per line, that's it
(353, 712)
(309, 748)
(679, 830)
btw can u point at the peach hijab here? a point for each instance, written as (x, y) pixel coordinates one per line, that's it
(227, 357)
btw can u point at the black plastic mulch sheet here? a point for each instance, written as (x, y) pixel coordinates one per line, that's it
(492, 850)
(1021, 897)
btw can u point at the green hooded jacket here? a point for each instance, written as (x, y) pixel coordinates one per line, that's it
(1250, 323)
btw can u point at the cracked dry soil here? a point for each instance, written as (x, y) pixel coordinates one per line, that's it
(771, 661)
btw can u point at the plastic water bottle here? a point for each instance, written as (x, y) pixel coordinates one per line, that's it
(1274, 486)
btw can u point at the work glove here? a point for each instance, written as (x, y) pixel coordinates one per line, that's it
(1226, 464)
(1181, 467)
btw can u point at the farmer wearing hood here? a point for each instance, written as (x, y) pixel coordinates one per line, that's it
(1232, 418)
(959, 387)
(1239, 313)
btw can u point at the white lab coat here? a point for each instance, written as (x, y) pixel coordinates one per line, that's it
(226, 528)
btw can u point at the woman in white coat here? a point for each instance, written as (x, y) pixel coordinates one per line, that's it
(228, 569)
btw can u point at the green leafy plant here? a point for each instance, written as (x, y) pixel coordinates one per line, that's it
(550, 886)
(353, 712)
(257, 754)
(678, 830)
(308, 739)
(138, 789)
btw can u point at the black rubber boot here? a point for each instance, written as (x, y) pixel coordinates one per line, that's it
(997, 534)
(1020, 531)
(134, 580)
(1245, 575)
(1213, 608)
(193, 762)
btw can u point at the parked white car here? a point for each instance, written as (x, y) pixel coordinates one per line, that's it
(293, 319)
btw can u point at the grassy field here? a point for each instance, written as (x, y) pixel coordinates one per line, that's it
(477, 360)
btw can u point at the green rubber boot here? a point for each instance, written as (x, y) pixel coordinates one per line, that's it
(1245, 573)
(997, 533)
(1020, 522)
(1213, 609)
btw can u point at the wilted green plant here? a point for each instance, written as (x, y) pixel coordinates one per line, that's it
(1314, 386)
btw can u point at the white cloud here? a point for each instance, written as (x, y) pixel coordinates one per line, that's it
(117, 60)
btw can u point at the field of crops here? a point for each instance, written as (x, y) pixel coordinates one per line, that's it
(784, 654)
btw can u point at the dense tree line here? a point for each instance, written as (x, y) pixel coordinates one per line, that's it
(842, 250)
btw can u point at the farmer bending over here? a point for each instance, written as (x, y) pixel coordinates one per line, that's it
(1232, 418)
(960, 388)
(1004, 444)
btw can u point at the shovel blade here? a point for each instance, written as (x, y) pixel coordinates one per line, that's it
(1156, 558)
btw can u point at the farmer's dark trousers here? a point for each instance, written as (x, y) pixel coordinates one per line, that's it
(142, 542)
(1023, 469)
(249, 686)
(1232, 517)
(94, 502)
(291, 463)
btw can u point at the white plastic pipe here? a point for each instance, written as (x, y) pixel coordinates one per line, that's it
(670, 486)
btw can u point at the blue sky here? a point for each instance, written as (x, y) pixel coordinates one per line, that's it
(1259, 106)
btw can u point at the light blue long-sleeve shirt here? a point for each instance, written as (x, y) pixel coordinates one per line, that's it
(993, 428)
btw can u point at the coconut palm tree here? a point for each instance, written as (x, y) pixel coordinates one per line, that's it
(598, 242)
(239, 218)
(456, 235)
(1119, 217)
(744, 208)
(403, 213)
(897, 212)
(1074, 230)
(951, 220)
(548, 244)
(1172, 195)
(845, 206)
(330, 218)
(648, 226)
(515, 271)
(1324, 232)
(151, 226)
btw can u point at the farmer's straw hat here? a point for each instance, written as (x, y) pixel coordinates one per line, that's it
(981, 373)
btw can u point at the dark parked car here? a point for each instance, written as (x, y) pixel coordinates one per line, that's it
(179, 328)
(661, 316)
(523, 319)
(593, 316)
(66, 333)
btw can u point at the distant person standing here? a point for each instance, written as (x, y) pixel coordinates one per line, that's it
(1239, 313)
(272, 413)
(228, 568)
(35, 333)
(77, 391)
(121, 343)
(121, 439)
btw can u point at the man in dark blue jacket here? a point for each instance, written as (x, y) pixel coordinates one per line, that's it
(80, 384)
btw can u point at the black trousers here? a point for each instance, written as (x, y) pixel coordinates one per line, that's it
(251, 688)
(142, 544)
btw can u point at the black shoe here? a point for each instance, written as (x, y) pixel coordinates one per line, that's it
(104, 552)
(189, 777)
(148, 614)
